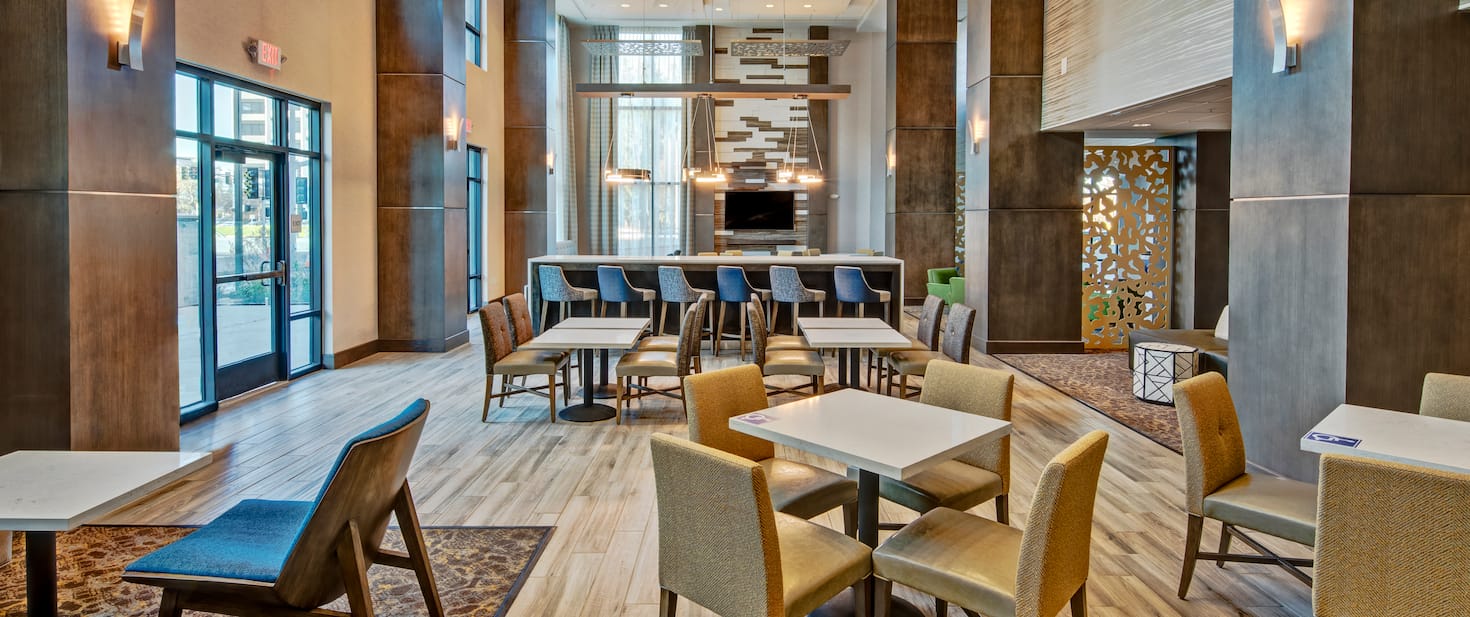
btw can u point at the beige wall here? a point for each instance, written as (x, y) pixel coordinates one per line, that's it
(1120, 53)
(329, 48)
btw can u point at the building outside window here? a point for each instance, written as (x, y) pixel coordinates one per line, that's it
(475, 206)
(650, 135)
(474, 24)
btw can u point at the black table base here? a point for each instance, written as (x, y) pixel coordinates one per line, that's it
(850, 368)
(41, 573)
(589, 410)
(843, 606)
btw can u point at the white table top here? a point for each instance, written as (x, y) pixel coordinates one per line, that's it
(885, 435)
(838, 323)
(603, 323)
(46, 490)
(866, 338)
(577, 338)
(1405, 438)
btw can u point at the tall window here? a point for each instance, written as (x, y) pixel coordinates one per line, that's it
(650, 135)
(475, 173)
(474, 22)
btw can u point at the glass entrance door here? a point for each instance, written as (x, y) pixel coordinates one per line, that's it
(250, 271)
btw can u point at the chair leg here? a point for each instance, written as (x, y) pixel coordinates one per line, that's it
(719, 329)
(744, 314)
(489, 394)
(1079, 601)
(622, 309)
(663, 313)
(849, 519)
(504, 388)
(418, 550)
(1003, 509)
(1224, 545)
(821, 384)
(941, 608)
(668, 603)
(545, 306)
(566, 382)
(861, 307)
(775, 311)
(903, 386)
(861, 591)
(354, 571)
(622, 392)
(169, 606)
(1191, 550)
(882, 596)
(839, 308)
(551, 394)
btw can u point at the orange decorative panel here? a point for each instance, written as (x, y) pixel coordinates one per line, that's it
(1127, 242)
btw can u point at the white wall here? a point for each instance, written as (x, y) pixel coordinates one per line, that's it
(858, 127)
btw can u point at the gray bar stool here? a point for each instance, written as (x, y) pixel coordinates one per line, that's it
(673, 286)
(786, 288)
(613, 286)
(556, 288)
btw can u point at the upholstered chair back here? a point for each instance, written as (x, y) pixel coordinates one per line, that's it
(1390, 540)
(1214, 451)
(732, 284)
(786, 286)
(613, 285)
(520, 318)
(957, 331)
(495, 327)
(673, 286)
(554, 284)
(1446, 396)
(713, 398)
(689, 331)
(717, 542)
(1057, 544)
(758, 331)
(980, 391)
(851, 286)
(929, 321)
(364, 482)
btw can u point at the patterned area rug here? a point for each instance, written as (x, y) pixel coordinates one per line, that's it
(478, 569)
(1103, 382)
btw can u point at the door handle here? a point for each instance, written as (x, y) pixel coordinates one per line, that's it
(278, 274)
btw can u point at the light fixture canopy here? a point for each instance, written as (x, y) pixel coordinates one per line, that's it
(612, 47)
(775, 48)
(1284, 52)
(130, 43)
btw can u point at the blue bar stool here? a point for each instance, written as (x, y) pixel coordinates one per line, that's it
(786, 287)
(673, 286)
(556, 288)
(734, 286)
(613, 286)
(852, 286)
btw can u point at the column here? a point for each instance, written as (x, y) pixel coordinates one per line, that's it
(1351, 206)
(88, 323)
(921, 137)
(422, 253)
(703, 227)
(819, 197)
(1201, 227)
(530, 56)
(1023, 194)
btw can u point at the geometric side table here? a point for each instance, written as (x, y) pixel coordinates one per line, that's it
(1158, 366)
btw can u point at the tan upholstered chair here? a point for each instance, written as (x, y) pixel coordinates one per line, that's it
(722, 545)
(635, 368)
(519, 312)
(1218, 486)
(501, 358)
(801, 362)
(954, 345)
(797, 489)
(1391, 540)
(997, 570)
(976, 476)
(1446, 396)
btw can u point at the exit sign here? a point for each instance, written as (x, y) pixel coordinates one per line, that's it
(266, 54)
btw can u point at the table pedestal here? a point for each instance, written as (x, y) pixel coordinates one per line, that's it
(850, 368)
(41, 573)
(589, 410)
(602, 389)
(844, 604)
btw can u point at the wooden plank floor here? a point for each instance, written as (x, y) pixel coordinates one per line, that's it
(594, 482)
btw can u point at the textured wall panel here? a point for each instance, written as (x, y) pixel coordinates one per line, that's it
(1120, 53)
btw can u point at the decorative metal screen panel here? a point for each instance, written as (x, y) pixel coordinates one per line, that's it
(1127, 242)
(602, 47)
(768, 48)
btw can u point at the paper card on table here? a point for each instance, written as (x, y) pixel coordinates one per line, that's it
(1336, 440)
(754, 418)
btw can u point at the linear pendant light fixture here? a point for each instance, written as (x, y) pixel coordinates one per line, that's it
(768, 48)
(608, 47)
(613, 174)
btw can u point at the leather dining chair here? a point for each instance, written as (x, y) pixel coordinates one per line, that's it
(796, 488)
(634, 369)
(926, 337)
(1218, 487)
(520, 318)
(501, 358)
(997, 570)
(790, 361)
(1446, 396)
(1391, 540)
(291, 557)
(722, 545)
(954, 345)
(973, 477)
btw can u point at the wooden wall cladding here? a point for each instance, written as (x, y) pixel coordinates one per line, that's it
(1121, 53)
(1127, 242)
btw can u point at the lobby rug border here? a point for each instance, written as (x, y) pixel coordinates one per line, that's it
(1085, 403)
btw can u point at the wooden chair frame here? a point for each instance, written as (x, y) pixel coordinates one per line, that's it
(1192, 554)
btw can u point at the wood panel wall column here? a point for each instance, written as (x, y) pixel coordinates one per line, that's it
(819, 197)
(88, 323)
(921, 137)
(1201, 227)
(422, 294)
(530, 55)
(1348, 262)
(1023, 195)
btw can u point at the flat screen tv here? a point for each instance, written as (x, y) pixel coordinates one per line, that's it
(760, 210)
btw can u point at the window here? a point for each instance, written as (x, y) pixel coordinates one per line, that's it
(474, 22)
(475, 206)
(650, 135)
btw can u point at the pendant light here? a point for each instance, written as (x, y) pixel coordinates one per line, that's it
(714, 173)
(809, 175)
(621, 175)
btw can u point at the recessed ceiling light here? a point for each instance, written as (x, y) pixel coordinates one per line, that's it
(719, 10)
(770, 6)
(806, 6)
(662, 5)
(626, 6)
(1141, 125)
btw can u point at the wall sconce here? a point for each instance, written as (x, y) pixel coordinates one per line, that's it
(453, 132)
(977, 134)
(129, 43)
(1285, 51)
(551, 163)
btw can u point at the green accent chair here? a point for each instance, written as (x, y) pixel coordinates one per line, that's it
(947, 284)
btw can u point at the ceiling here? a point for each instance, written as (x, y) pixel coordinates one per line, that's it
(841, 13)
(1206, 108)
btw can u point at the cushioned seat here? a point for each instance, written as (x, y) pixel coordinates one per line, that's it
(665, 342)
(913, 362)
(783, 361)
(804, 491)
(248, 542)
(951, 483)
(648, 364)
(531, 359)
(1278, 506)
(634, 369)
(794, 362)
(497, 326)
(954, 346)
(787, 342)
(816, 563)
(963, 559)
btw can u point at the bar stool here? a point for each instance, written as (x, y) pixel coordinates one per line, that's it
(734, 286)
(786, 287)
(673, 286)
(556, 288)
(852, 286)
(614, 287)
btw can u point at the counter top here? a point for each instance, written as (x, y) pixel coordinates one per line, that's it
(834, 259)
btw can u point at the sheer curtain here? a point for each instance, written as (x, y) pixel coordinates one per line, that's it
(567, 217)
(596, 206)
(651, 218)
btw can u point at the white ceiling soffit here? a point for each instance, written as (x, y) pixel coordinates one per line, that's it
(838, 13)
(1206, 108)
